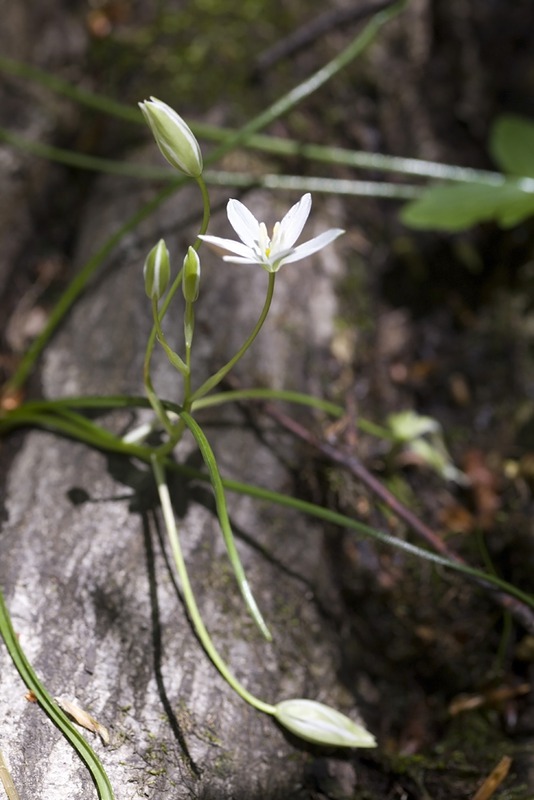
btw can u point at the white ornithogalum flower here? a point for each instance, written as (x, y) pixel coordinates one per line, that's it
(271, 252)
(173, 136)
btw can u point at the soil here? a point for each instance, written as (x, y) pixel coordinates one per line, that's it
(440, 324)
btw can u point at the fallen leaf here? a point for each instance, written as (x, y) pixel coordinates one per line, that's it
(84, 719)
(494, 779)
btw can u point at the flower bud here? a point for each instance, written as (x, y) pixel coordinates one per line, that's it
(321, 724)
(173, 136)
(157, 271)
(191, 275)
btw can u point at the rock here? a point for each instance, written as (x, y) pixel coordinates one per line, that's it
(87, 571)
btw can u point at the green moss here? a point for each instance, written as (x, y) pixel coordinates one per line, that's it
(183, 55)
(471, 747)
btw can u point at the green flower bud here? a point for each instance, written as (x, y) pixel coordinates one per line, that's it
(191, 275)
(321, 724)
(157, 270)
(174, 138)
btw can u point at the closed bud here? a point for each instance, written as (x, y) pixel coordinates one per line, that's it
(321, 724)
(173, 136)
(191, 275)
(157, 271)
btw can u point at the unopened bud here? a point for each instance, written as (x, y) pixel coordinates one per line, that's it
(173, 136)
(191, 275)
(321, 724)
(157, 270)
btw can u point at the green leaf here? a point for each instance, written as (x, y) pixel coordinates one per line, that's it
(515, 209)
(512, 145)
(458, 207)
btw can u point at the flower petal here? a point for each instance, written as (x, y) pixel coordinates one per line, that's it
(242, 260)
(243, 222)
(229, 246)
(292, 224)
(317, 243)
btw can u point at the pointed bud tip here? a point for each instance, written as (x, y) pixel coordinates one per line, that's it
(191, 275)
(157, 270)
(173, 136)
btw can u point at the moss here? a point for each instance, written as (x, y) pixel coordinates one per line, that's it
(471, 747)
(183, 54)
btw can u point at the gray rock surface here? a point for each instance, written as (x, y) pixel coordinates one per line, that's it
(85, 567)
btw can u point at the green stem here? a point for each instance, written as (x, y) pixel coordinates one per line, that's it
(207, 209)
(155, 402)
(314, 82)
(189, 597)
(189, 327)
(359, 159)
(338, 186)
(224, 521)
(357, 188)
(173, 357)
(220, 374)
(52, 710)
(287, 396)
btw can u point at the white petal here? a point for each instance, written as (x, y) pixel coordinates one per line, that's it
(292, 224)
(240, 260)
(243, 222)
(228, 245)
(315, 244)
(277, 256)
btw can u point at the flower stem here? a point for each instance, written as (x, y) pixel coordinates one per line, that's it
(189, 598)
(217, 378)
(207, 209)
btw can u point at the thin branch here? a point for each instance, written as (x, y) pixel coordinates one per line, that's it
(307, 34)
(352, 464)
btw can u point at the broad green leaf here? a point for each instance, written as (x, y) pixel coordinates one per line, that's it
(512, 145)
(460, 206)
(516, 209)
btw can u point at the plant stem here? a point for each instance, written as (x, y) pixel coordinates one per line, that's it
(210, 384)
(189, 598)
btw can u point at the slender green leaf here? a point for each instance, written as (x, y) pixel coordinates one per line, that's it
(41, 414)
(222, 513)
(51, 709)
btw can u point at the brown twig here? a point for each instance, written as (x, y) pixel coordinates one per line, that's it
(352, 464)
(308, 33)
(7, 781)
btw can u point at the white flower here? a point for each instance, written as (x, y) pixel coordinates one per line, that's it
(173, 136)
(256, 247)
